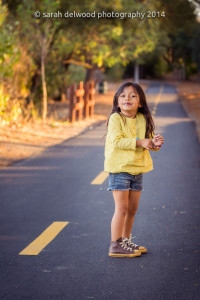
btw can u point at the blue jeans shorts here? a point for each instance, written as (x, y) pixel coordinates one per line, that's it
(125, 181)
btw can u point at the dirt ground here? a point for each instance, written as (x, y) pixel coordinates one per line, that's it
(22, 141)
(189, 94)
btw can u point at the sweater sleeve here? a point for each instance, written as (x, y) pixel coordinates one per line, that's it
(116, 135)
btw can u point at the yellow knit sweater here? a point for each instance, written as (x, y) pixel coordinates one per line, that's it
(121, 153)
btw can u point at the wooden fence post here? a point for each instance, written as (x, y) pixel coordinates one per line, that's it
(71, 105)
(89, 99)
(76, 102)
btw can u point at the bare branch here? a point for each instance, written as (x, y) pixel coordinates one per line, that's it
(79, 63)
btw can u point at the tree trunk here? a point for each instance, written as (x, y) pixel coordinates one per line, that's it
(34, 84)
(184, 69)
(136, 73)
(89, 75)
(44, 87)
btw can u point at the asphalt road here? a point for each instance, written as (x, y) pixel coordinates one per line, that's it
(56, 186)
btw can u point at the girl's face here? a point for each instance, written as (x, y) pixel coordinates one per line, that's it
(129, 101)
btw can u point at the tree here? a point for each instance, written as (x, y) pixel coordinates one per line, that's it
(112, 40)
(195, 46)
(38, 34)
(9, 53)
(180, 26)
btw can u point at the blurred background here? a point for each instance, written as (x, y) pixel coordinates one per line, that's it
(42, 54)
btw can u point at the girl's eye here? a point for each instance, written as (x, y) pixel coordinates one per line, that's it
(129, 96)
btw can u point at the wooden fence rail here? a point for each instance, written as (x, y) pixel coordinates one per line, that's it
(81, 101)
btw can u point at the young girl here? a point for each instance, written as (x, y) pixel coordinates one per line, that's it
(129, 138)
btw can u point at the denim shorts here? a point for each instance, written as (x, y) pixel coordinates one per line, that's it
(125, 181)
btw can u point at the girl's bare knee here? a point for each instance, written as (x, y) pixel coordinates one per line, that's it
(121, 210)
(131, 212)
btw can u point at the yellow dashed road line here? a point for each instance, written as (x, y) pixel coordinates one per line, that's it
(44, 239)
(100, 178)
(157, 100)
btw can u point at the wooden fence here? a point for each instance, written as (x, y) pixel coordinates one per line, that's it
(81, 101)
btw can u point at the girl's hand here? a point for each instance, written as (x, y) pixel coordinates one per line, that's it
(146, 143)
(158, 140)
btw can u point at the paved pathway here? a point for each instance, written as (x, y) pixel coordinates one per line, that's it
(56, 187)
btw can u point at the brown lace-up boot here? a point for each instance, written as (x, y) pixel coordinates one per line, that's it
(121, 249)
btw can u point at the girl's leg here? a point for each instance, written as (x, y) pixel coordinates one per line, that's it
(133, 202)
(121, 207)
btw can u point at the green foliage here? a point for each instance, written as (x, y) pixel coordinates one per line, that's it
(106, 42)
(37, 29)
(58, 79)
(195, 46)
(10, 112)
(115, 73)
(75, 74)
(9, 52)
(183, 48)
(3, 102)
(186, 49)
(160, 68)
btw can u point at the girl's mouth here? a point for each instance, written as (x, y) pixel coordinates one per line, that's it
(127, 103)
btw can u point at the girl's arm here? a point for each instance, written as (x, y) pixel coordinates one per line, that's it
(144, 143)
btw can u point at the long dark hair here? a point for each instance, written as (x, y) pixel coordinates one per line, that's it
(150, 127)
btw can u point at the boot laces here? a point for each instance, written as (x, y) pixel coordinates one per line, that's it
(125, 246)
(129, 242)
